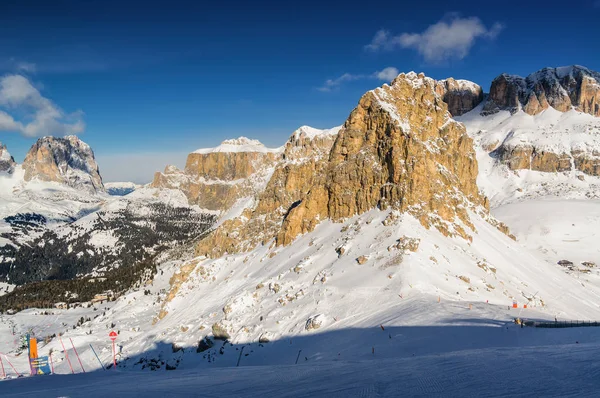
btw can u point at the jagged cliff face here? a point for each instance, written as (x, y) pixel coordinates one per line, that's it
(398, 149)
(552, 122)
(562, 88)
(7, 162)
(67, 160)
(216, 178)
(303, 166)
(461, 96)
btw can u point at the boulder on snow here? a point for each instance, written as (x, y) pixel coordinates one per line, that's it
(314, 322)
(265, 338)
(565, 263)
(219, 332)
(362, 259)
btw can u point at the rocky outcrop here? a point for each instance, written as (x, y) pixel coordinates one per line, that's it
(461, 96)
(7, 162)
(398, 149)
(527, 157)
(68, 161)
(303, 166)
(216, 178)
(564, 88)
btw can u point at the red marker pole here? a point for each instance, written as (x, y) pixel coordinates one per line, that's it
(3, 372)
(77, 355)
(113, 337)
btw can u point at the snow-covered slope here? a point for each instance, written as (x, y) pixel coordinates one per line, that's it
(523, 156)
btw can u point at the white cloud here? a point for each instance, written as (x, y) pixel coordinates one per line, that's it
(332, 84)
(40, 116)
(447, 39)
(136, 167)
(387, 74)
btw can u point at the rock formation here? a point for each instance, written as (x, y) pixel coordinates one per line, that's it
(564, 88)
(461, 96)
(216, 178)
(66, 160)
(7, 162)
(398, 149)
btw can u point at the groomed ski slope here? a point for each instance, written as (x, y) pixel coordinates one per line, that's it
(561, 370)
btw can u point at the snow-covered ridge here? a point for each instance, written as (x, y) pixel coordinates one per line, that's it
(550, 74)
(550, 130)
(241, 144)
(311, 132)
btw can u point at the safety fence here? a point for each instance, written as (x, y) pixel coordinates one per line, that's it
(566, 324)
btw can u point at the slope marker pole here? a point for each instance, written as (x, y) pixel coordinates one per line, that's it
(11, 365)
(3, 372)
(298, 357)
(77, 355)
(66, 355)
(94, 351)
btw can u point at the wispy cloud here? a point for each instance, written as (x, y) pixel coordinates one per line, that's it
(444, 40)
(27, 67)
(38, 115)
(332, 84)
(387, 74)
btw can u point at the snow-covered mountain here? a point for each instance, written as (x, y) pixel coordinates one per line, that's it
(563, 88)
(550, 151)
(7, 162)
(58, 223)
(377, 236)
(68, 161)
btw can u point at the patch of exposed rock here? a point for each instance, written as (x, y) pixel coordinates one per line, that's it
(461, 96)
(67, 160)
(562, 88)
(528, 157)
(7, 162)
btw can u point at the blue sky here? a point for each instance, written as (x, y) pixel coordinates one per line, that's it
(144, 85)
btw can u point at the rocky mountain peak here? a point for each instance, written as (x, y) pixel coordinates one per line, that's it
(65, 160)
(7, 162)
(398, 149)
(563, 88)
(215, 178)
(460, 95)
